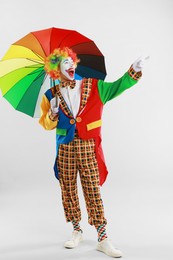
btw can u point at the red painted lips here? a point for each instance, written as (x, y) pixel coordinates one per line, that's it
(71, 72)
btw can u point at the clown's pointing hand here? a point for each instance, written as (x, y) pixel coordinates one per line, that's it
(139, 63)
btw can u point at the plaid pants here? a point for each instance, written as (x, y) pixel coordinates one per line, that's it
(79, 156)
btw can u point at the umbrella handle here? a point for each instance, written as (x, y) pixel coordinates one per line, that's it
(56, 96)
(56, 99)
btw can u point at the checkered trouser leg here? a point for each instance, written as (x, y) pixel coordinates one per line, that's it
(79, 155)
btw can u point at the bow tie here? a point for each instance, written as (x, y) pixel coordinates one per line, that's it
(70, 84)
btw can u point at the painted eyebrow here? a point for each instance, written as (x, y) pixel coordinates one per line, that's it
(65, 60)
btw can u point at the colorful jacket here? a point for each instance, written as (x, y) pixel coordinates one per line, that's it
(95, 93)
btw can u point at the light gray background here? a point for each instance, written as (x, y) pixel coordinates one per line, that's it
(137, 136)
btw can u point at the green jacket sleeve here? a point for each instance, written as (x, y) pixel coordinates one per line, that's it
(110, 90)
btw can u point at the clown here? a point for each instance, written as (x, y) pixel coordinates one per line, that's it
(74, 109)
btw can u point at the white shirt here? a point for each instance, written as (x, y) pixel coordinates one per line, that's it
(72, 97)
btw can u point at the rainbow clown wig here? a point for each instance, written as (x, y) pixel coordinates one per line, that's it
(52, 62)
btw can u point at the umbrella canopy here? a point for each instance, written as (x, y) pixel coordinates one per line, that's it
(23, 79)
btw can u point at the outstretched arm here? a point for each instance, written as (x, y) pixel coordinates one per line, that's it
(110, 90)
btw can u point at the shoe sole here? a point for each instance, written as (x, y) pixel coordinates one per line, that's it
(101, 250)
(70, 247)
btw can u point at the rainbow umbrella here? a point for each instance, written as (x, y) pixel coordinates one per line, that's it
(23, 79)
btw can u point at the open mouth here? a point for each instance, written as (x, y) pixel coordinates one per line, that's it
(71, 72)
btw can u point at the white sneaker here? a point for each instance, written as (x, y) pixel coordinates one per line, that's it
(75, 240)
(106, 247)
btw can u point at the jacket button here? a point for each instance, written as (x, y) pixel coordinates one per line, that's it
(72, 121)
(78, 119)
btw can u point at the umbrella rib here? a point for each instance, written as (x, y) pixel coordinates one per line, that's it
(35, 61)
(38, 55)
(41, 75)
(29, 86)
(37, 67)
(39, 92)
(66, 37)
(40, 46)
(83, 43)
(34, 71)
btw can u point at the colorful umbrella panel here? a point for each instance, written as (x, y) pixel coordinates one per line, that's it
(23, 80)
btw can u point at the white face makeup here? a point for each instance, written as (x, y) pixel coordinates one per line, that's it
(67, 69)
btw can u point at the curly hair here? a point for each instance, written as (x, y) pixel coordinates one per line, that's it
(52, 62)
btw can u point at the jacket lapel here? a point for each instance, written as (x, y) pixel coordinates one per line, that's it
(86, 89)
(63, 104)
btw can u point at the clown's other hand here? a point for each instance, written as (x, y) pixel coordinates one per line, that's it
(54, 104)
(139, 63)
